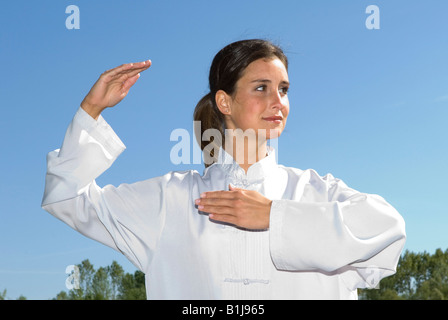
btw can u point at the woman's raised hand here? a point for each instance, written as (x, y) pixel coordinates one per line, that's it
(112, 86)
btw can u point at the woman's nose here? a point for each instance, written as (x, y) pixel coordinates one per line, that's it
(279, 101)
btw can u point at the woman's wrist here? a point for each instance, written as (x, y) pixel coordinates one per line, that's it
(93, 111)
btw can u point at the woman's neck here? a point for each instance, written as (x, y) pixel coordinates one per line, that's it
(246, 151)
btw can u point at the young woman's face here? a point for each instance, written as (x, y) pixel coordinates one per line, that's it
(260, 100)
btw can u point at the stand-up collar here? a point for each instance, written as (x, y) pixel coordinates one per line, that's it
(256, 172)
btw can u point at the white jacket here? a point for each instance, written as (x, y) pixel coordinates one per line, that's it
(325, 239)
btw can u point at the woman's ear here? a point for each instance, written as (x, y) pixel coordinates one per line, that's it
(223, 102)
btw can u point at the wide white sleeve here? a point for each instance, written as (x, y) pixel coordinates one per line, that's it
(360, 234)
(127, 218)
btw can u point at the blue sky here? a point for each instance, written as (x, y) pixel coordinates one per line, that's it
(368, 106)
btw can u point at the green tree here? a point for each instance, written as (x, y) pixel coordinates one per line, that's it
(419, 276)
(85, 291)
(101, 287)
(132, 287)
(434, 286)
(116, 274)
(62, 296)
(106, 283)
(3, 296)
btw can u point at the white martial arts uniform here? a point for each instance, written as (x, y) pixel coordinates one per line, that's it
(324, 241)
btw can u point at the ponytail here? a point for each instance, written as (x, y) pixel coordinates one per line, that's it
(210, 117)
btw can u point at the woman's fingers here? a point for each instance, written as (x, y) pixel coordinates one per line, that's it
(219, 202)
(215, 205)
(226, 218)
(224, 194)
(117, 70)
(130, 82)
(118, 81)
(128, 70)
(244, 208)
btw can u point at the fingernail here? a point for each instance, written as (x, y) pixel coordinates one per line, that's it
(200, 207)
(203, 195)
(197, 201)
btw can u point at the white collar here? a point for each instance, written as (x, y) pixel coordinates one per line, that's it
(256, 172)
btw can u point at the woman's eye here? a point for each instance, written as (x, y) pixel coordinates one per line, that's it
(261, 88)
(284, 90)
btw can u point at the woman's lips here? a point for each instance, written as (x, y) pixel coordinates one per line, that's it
(274, 119)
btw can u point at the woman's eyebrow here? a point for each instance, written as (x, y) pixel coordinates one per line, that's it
(261, 80)
(284, 82)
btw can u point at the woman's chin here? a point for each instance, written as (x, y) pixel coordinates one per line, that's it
(274, 133)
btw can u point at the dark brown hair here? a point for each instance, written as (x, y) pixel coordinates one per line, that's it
(227, 68)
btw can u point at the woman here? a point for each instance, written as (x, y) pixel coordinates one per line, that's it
(247, 228)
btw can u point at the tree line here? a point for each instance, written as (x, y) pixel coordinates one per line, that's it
(105, 283)
(419, 276)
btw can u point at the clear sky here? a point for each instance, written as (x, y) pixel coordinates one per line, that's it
(369, 106)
